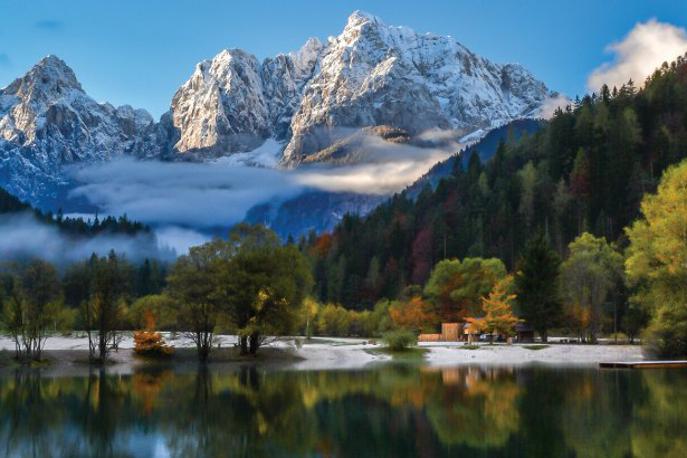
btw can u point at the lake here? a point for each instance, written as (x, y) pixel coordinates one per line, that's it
(386, 411)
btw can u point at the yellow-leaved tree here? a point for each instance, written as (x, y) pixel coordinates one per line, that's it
(498, 310)
(656, 262)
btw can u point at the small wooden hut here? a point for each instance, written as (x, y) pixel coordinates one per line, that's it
(450, 332)
(524, 333)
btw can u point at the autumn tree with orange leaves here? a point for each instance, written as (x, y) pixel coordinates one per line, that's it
(415, 314)
(149, 342)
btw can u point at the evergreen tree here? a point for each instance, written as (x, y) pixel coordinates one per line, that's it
(536, 286)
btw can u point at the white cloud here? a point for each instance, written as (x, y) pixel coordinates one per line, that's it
(645, 48)
(218, 194)
(21, 235)
(552, 103)
(180, 239)
(186, 194)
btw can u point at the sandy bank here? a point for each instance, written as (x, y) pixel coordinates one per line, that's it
(560, 354)
(342, 353)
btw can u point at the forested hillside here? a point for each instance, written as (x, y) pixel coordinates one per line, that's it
(72, 226)
(585, 170)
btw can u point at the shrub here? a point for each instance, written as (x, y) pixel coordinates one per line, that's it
(149, 342)
(361, 323)
(380, 319)
(666, 335)
(333, 320)
(337, 321)
(400, 339)
(618, 337)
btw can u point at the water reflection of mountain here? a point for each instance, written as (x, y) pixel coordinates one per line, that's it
(388, 411)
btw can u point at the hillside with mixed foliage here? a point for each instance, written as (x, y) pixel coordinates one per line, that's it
(586, 170)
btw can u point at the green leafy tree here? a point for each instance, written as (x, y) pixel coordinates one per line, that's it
(536, 286)
(251, 280)
(161, 306)
(593, 269)
(333, 320)
(32, 307)
(193, 284)
(103, 312)
(263, 286)
(456, 286)
(656, 262)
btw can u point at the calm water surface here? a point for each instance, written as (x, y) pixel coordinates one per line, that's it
(389, 411)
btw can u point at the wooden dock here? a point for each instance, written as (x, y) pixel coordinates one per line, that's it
(643, 365)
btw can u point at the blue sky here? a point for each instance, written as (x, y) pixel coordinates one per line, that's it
(139, 52)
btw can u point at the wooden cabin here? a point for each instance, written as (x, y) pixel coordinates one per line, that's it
(450, 332)
(524, 333)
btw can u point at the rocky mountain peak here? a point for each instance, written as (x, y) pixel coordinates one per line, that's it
(359, 18)
(221, 108)
(51, 76)
(47, 120)
(305, 58)
(371, 74)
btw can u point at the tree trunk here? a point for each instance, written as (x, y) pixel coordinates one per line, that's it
(254, 342)
(102, 345)
(243, 344)
(544, 336)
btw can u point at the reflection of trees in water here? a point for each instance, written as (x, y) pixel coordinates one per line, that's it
(660, 424)
(616, 413)
(59, 416)
(26, 428)
(477, 409)
(597, 410)
(390, 411)
(147, 386)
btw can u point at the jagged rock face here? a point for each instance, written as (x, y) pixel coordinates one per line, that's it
(232, 102)
(47, 120)
(375, 74)
(222, 107)
(283, 80)
(46, 113)
(370, 75)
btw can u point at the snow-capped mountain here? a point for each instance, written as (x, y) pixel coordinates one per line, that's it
(374, 74)
(232, 102)
(47, 120)
(318, 104)
(371, 74)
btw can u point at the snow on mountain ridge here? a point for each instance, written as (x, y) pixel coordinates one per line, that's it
(371, 74)
(47, 120)
(374, 74)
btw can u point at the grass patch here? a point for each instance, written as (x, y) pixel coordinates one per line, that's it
(535, 347)
(399, 339)
(407, 354)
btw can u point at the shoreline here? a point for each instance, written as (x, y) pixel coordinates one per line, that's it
(69, 355)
